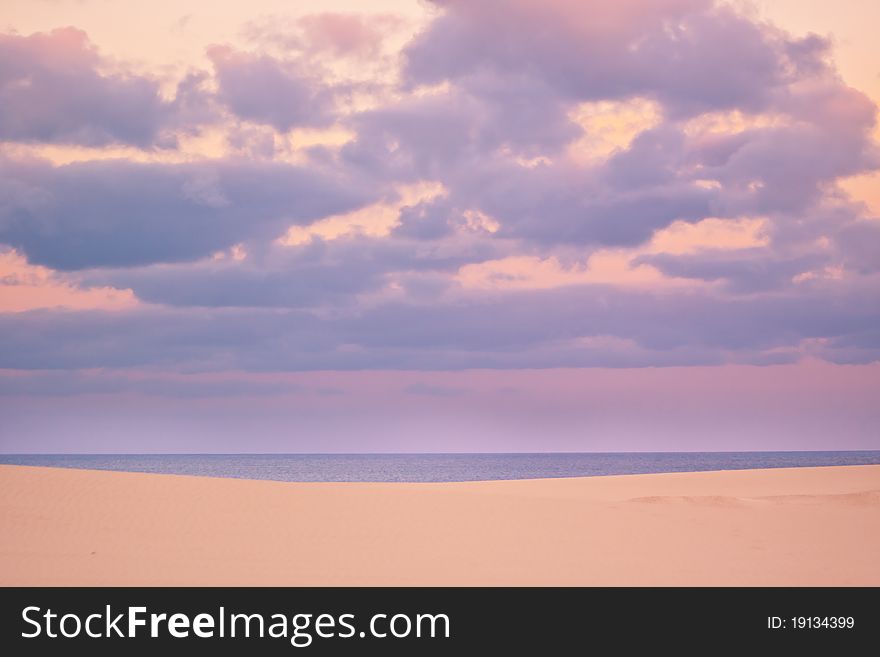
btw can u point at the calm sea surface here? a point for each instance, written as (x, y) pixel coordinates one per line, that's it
(437, 467)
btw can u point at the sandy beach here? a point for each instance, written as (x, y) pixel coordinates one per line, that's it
(798, 526)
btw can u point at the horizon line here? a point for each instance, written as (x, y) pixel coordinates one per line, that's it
(573, 453)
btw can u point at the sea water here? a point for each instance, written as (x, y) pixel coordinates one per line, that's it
(438, 467)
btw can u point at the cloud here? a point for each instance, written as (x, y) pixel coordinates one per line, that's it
(557, 205)
(859, 242)
(267, 90)
(432, 390)
(743, 270)
(67, 383)
(347, 35)
(317, 274)
(55, 88)
(430, 220)
(576, 326)
(736, 121)
(122, 213)
(672, 51)
(498, 134)
(337, 34)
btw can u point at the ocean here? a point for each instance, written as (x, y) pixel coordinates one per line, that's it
(438, 467)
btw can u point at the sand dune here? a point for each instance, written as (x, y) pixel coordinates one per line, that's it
(799, 526)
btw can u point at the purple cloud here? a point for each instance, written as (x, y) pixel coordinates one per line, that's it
(486, 107)
(672, 51)
(266, 90)
(317, 275)
(577, 326)
(122, 213)
(52, 89)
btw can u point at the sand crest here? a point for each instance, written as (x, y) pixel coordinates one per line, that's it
(798, 526)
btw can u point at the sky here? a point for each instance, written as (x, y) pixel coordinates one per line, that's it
(512, 225)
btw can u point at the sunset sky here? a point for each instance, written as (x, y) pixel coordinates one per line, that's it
(505, 225)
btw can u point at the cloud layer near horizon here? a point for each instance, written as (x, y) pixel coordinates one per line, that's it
(521, 185)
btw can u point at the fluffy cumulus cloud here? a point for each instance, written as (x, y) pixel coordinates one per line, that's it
(56, 87)
(547, 132)
(691, 55)
(268, 90)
